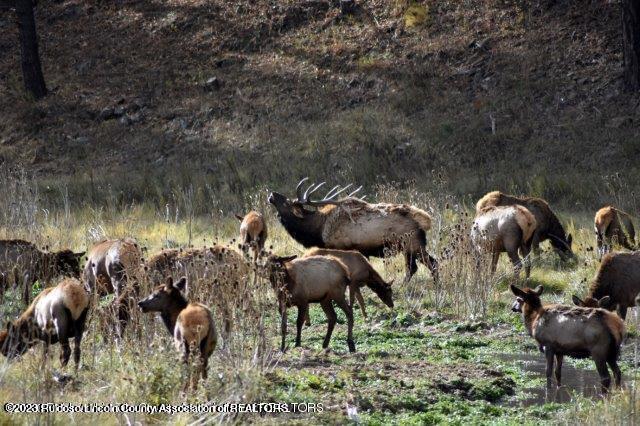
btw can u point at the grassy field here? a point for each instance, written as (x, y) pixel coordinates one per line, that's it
(454, 353)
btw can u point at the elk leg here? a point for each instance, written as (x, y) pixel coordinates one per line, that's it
(617, 374)
(283, 326)
(549, 354)
(558, 370)
(526, 259)
(605, 378)
(360, 300)
(303, 313)
(517, 265)
(411, 265)
(330, 313)
(622, 312)
(430, 262)
(63, 323)
(27, 285)
(77, 331)
(495, 256)
(204, 359)
(342, 304)
(535, 243)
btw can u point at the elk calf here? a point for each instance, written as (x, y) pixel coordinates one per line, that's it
(56, 315)
(613, 226)
(577, 332)
(190, 324)
(362, 273)
(313, 279)
(253, 232)
(22, 264)
(505, 228)
(618, 277)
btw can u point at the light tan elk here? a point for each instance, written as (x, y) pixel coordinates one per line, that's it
(573, 331)
(353, 224)
(547, 224)
(253, 232)
(314, 279)
(190, 324)
(22, 264)
(505, 228)
(613, 226)
(616, 284)
(56, 315)
(362, 274)
(112, 267)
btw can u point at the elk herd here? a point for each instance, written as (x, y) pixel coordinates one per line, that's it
(340, 235)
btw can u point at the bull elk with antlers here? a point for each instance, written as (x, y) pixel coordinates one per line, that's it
(351, 223)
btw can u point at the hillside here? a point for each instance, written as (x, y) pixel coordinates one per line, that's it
(251, 93)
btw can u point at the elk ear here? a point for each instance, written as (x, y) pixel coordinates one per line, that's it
(538, 290)
(286, 259)
(182, 284)
(168, 283)
(604, 302)
(576, 300)
(569, 240)
(79, 255)
(297, 211)
(240, 218)
(515, 290)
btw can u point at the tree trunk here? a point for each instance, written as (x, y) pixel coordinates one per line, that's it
(31, 68)
(631, 42)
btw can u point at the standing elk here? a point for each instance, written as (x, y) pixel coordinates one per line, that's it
(616, 284)
(362, 273)
(547, 224)
(55, 315)
(112, 267)
(574, 331)
(353, 224)
(497, 229)
(313, 279)
(22, 264)
(190, 324)
(613, 226)
(253, 232)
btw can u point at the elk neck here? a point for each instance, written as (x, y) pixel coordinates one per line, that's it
(530, 313)
(170, 314)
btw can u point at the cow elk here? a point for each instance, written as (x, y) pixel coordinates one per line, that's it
(313, 279)
(353, 224)
(362, 274)
(577, 332)
(616, 284)
(253, 232)
(547, 224)
(190, 324)
(497, 229)
(613, 226)
(55, 315)
(22, 264)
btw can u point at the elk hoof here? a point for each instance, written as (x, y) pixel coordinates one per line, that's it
(352, 346)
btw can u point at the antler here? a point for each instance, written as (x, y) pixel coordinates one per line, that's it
(329, 197)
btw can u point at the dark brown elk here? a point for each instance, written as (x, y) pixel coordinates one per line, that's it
(253, 232)
(353, 224)
(190, 324)
(618, 277)
(56, 315)
(314, 279)
(577, 332)
(112, 267)
(548, 226)
(22, 264)
(613, 226)
(362, 274)
(497, 229)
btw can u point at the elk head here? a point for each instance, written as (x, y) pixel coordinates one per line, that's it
(591, 302)
(68, 263)
(164, 296)
(16, 339)
(527, 296)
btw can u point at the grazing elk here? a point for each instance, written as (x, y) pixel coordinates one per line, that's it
(612, 225)
(213, 273)
(313, 279)
(190, 324)
(362, 273)
(253, 232)
(353, 224)
(497, 229)
(55, 315)
(547, 224)
(111, 267)
(618, 277)
(574, 331)
(22, 263)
